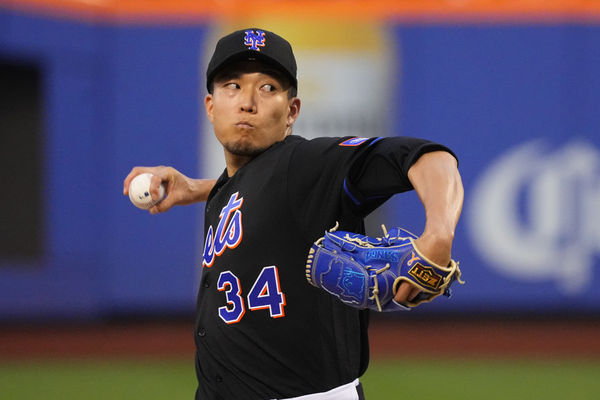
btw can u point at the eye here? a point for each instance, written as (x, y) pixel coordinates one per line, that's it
(231, 85)
(268, 87)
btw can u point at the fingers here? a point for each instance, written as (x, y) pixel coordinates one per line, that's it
(176, 187)
(414, 293)
(166, 204)
(155, 183)
(132, 174)
(157, 210)
(406, 292)
(159, 174)
(169, 178)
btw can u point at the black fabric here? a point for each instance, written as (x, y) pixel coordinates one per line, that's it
(360, 391)
(383, 171)
(253, 44)
(274, 208)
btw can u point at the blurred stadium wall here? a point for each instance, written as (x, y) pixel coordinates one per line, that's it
(90, 88)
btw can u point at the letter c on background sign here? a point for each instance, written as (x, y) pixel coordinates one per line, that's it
(534, 215)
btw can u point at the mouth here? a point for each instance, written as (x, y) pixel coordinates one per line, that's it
(244, 125)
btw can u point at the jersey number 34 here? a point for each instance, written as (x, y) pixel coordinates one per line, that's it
(265, 294)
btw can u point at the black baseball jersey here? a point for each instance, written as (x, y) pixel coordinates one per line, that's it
(262, 331)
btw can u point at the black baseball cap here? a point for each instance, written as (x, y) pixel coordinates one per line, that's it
(253, 44)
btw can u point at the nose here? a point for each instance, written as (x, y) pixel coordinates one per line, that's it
(247, 101)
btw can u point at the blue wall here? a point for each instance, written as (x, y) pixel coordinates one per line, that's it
(518, 103)
(115, 97)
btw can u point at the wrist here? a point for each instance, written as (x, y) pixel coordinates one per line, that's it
(199, 189)
(436, 246)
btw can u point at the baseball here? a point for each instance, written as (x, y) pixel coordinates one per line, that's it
(139, 192)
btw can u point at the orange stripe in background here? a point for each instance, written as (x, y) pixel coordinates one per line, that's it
(174, 11)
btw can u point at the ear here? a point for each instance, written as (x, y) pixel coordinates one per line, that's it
(208, 105)
(293, 111)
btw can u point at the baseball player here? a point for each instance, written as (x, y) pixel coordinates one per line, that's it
(262, 331)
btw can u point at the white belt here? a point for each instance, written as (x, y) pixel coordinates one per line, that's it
(344, 392)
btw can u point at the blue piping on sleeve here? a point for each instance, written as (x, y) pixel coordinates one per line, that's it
(375, 141)
(354, 199)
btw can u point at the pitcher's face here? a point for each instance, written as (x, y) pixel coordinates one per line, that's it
(250, 110)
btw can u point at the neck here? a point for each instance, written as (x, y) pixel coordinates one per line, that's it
(234, 163)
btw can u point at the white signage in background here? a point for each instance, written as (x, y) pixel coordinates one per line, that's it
(534, 214)
(344, 93)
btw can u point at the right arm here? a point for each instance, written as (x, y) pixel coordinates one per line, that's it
(181, 190)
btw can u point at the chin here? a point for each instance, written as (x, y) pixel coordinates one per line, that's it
(244, 149)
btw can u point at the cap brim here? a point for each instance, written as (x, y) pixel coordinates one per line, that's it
(250, 55)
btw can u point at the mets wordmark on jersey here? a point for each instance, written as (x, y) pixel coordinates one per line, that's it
(265, 292)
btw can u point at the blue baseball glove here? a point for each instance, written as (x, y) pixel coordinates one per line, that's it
(364, 272)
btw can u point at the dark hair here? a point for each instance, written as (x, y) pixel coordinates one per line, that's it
(236, 69)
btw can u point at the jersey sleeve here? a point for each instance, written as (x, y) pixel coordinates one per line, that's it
(382, 171)
(344, 178)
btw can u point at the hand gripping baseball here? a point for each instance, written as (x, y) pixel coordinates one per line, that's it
(365, 272)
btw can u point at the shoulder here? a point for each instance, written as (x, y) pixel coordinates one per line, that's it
(341, 143)
(408, 147)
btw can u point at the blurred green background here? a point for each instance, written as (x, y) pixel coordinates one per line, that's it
(447, 379)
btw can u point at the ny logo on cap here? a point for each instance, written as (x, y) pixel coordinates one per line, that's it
(254, 40)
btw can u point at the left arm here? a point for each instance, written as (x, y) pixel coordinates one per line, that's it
(436, 180)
